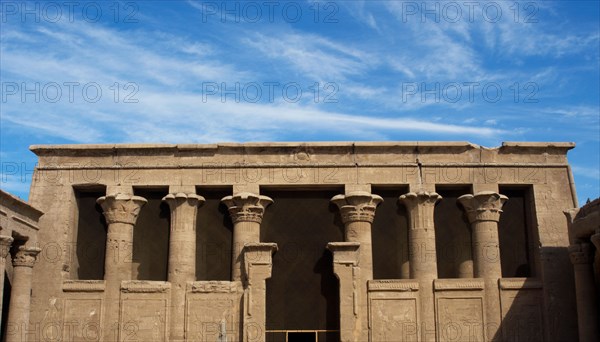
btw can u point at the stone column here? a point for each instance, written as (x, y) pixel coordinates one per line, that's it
(582, 257)
(483, 211)
(20, 297)
(258, 264)
(357, 210)
(422, 254)
(246, 211)
(345, 267)
(121, 212)
(182, 255)
(5, 243)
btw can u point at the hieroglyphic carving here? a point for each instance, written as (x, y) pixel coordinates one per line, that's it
(213, 286)
(82, 320)
(205, 315)
(144, 319)
(394, 319)
(460, 319)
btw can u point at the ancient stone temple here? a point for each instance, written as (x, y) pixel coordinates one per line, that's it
(395, 241)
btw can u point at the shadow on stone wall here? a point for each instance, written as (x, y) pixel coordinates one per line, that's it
(535, 312)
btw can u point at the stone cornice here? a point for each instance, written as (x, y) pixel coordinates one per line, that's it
(358, 206)
(213, 286)
(121, 208)
(473, 284)
(144, 286)
(444, 145)
(483, 206)
(83, 286)
(246, 207)
(26, 256)
(396, 285)
(19, 205)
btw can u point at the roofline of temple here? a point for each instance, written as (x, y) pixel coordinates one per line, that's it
(462, 145)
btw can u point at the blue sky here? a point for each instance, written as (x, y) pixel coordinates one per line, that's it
(207, 71)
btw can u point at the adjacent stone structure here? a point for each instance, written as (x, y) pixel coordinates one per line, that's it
(584, 233)
(302, 242)
(19, 233)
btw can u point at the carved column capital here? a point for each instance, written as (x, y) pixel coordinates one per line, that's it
(5, 243)
(176, 199)
(246, 207)
(121, 208)
(581, 253)
(26, 256)
(420, 207)
(483, 206)
(357, 206)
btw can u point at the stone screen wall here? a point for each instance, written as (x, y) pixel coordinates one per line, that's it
(418, 241)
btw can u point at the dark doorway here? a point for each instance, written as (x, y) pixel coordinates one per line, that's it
(302, 337)
(302, 293)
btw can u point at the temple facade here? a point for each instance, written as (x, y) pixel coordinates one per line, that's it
(395, 241)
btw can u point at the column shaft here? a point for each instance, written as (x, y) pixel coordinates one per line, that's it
(246, 211)
(20, 297)
(121, 212)
(244, 232)
(360, 231)
(357, 210)
(422, 254)
(182, 255)
(5, 243)
(483, 210)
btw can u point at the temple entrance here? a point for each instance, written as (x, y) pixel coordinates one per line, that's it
(303, 292)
